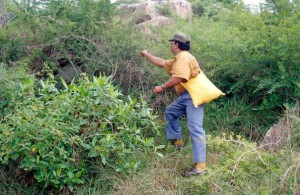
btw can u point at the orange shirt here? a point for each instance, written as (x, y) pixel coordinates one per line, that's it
(183, 65)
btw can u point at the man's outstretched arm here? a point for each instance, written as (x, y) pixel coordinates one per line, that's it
(153, 59)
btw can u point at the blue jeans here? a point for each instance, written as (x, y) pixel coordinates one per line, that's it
(183, 105)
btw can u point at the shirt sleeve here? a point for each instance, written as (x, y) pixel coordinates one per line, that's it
(168, 66)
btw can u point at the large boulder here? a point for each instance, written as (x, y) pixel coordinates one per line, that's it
(276, 136)
(158, 13)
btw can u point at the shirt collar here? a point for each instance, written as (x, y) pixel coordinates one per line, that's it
(180, 53)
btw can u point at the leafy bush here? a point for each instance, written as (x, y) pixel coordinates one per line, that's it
(10, 49)
(57, 135)
(8, 76)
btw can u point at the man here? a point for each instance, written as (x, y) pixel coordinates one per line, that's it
(181, 68)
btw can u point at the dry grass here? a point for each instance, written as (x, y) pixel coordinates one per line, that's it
(162, 175)
(235, 166)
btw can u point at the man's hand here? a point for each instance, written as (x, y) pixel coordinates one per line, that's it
(153, 59)
(158, 89)
(144, 53)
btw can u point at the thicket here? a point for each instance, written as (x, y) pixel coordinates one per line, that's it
(252, 57)
(58, 135)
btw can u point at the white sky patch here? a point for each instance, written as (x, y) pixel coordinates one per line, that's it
(253, 4)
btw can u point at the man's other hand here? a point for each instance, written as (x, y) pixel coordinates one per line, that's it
(158, 89)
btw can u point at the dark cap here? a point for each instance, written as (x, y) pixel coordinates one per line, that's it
(181, 37)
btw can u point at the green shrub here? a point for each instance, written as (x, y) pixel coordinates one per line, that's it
(58, 135)
(8, 76)
(10, 49)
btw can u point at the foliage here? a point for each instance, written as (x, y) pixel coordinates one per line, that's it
(9, 49)
(262, 47)
(211, 8)
(58, 135)
(57, 28)
(252, 57)
(7, 77)
(91, 38)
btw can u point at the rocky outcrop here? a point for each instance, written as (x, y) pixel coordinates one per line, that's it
(158, 13)
(276, 136)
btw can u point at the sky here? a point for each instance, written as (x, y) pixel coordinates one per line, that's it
(253, 2)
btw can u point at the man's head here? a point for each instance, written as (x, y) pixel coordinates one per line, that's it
(181, 40)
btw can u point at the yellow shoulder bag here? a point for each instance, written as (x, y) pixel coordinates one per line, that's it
(201, 89)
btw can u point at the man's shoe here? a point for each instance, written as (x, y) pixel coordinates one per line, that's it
(178, 143)
(194, 172)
